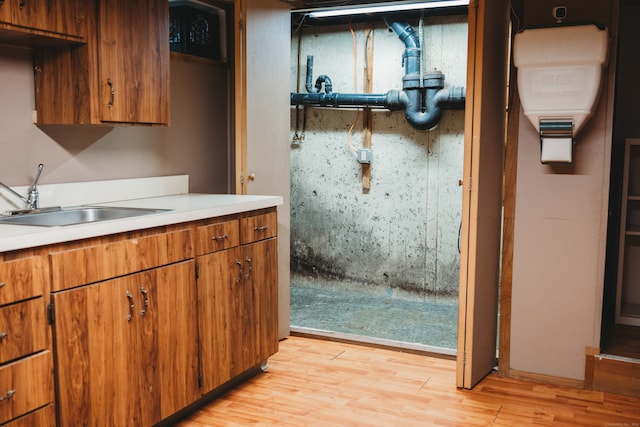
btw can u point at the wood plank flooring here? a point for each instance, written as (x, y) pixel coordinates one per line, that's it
(313, 382)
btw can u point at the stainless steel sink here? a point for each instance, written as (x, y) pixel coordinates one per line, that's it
(57, 217)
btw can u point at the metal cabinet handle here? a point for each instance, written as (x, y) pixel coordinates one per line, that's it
(145, 295)
(248, 261)
(7, 395)
(3, 335)
(113, 93)
(131, 306)
(22, 4)
(1, 283)
(241, 271)
(220, 238)
(261, 228)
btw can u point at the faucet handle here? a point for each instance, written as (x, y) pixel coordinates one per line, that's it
(35, 181)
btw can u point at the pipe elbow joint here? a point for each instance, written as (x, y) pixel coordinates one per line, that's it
(328, 85)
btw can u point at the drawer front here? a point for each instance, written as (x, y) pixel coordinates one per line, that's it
(25, 385)
(44, 417)
(23, 329)
(76, 267)
(217, 237)
(21, 279)
(258, 227)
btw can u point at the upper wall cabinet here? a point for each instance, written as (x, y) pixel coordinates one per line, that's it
(133, 60)
(43, 22)
(120, 76)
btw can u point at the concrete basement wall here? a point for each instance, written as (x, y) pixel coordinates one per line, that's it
(403, 233)
(196, 143)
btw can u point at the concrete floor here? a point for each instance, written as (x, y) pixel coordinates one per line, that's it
(373, 312)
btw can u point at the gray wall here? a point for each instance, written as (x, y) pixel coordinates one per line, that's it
(403, 233)
(196, 143)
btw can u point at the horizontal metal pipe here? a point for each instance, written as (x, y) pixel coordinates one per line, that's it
(340, 99)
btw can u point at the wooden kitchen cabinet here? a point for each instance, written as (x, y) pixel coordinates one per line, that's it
(131, 297)
(145, 323)
(26, 385)
(56, 16)
(42, 21)
(133, 61)
(121, 74)
(43, 417)
(26, 363)
(237, 297)
(127, 348)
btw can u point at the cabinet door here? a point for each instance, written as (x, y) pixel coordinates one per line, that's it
(177, 337)
(237, 310)
(122, 351)
(264, 282)
(98, 354)
(5, 12)
(133, 57)
(57, 16)
(219, 283)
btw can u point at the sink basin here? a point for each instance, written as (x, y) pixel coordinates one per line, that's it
(77, 215)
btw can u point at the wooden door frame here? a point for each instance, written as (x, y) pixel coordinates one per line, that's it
(240, 94)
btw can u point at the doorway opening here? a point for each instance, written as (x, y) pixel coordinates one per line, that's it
(620, 335)
(375, 244)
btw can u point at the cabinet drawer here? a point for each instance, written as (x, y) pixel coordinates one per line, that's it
(258, 227)
(25, 385)
(44, 417)
(218, 236)
(76, 267)
(21, 279)
(22, 329)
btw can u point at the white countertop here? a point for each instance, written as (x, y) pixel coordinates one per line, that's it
(183, 208)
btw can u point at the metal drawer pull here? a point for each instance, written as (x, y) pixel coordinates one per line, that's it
(1, 285)
(219, 238)
(131, 306)
(145, 295)
(261, 228)
(3, 335)
(7, 395)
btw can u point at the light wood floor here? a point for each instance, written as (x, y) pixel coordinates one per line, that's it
(322, 383)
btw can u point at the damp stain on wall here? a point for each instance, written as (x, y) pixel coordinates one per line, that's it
(401, 234)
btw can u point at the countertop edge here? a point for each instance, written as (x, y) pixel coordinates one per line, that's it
(181, 208)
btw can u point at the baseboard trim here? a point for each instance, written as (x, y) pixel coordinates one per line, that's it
(546, 379)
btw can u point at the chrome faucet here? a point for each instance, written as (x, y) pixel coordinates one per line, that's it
(33, 196)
